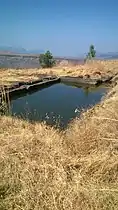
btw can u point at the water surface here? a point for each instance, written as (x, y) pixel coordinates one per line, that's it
(57, 104)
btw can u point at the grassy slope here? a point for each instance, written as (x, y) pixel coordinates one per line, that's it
(41, 168)
(94, 69)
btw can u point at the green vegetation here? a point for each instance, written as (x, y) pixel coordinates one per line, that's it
(46, 60)
(92, 53)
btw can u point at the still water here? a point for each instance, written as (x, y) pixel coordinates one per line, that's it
(57, 104)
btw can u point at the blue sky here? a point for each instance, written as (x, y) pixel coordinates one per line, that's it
(66, 27)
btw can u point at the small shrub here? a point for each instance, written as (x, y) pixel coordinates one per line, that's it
(46, 60)
(91, 54)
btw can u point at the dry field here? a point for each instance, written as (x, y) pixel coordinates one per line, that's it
(94, 69)
(44, 169)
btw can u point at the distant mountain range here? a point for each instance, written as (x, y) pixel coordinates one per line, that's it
(11, 50)
(18, 50)
(109, 55)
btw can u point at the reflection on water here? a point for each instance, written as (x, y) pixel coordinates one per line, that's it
(57, 104)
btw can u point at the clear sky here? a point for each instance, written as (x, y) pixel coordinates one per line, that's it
(66, 27)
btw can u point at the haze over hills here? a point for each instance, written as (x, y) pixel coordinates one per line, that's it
(19, 50)
(109, 55)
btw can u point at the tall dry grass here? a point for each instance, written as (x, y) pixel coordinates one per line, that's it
(5, 107)
(42, 168)
(93, 69)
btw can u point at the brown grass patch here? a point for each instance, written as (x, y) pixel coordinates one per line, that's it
(42, 168)
(93, 69)
(9, 76)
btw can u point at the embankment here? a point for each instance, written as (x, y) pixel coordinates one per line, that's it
(42, 168)
(92, 70)
(22, 61)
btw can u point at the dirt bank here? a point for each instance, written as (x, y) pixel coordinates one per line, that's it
(93, 70)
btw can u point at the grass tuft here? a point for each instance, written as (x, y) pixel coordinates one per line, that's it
(42, 168)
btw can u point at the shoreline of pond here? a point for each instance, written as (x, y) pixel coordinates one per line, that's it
(41, 153)
(21, 87)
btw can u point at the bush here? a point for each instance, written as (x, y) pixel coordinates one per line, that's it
(46, 60)
(92, 53)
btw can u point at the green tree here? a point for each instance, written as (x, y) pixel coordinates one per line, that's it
(92, 53)
(46, 60)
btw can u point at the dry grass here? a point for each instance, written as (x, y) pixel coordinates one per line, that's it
(42, 168)
(94, 69)
(9, 76)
